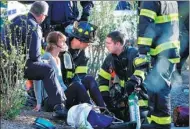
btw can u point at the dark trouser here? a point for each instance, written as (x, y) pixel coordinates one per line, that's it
(91, 85)
(158, 87)
(76, 94)
(44, 72)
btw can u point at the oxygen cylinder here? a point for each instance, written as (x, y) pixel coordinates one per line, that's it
(67, 60)
(134, 109)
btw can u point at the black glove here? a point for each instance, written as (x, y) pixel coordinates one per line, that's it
(107, 101)
(130, 87)
(84, 17)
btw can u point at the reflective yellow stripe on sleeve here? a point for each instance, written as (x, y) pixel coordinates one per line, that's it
(148, 13)
(159, 120)
(70, 74)
(175, 60)
(144, 41)
(140, 73)
(140, 61)
(104, 74)
(103, 88)
(167, 18)
(164, 46)
(42, 51)
(143, 103)
(81, 69)
(122, 83)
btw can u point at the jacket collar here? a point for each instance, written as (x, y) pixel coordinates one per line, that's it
(31, 16)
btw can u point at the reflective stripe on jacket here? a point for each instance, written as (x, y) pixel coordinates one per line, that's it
(158, 32)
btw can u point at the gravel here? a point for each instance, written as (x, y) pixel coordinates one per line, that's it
(178, 96)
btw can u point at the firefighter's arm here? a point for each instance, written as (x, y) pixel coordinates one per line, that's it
(146, 34)
(104, 76)
(87, 6)
(146, 26)
(139, 73)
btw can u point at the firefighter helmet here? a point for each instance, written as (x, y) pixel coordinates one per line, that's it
(83, 31)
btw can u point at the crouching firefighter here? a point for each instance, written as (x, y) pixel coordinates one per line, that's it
(120, 62)
(74, 61)
(158, 43)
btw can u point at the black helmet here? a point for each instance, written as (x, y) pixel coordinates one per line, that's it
(83, 31)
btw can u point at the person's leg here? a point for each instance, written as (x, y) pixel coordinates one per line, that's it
(76, 93)
(44, 72)
(160, 114)
(90, 84)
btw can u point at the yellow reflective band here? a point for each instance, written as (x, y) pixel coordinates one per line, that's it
(175, 60)
(80, 30)
(164, 46)
(159, 120)
(139, 61)
(149, 119)
(167, 18)
(140, 73)
(42, 51)
(70, 74)
(122, 83)
(143, 103)
(103, 88)
(148, 13)
(86, 33)
(81, 69)
(144, 41)
(104, 74)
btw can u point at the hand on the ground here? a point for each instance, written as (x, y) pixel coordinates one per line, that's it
(37, 108)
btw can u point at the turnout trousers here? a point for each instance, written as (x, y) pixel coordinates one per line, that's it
(159, 87)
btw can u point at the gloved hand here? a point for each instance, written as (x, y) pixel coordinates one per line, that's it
(107, 100)
(84, 17)
(130, 87)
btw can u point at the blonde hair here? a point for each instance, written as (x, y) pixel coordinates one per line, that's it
(53, 38)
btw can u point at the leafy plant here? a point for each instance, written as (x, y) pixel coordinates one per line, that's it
(11, 73)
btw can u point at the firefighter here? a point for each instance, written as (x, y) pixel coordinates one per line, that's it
(183, 7)
(158, 43)
(119, 62)
(63, 13)
(81, 34)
